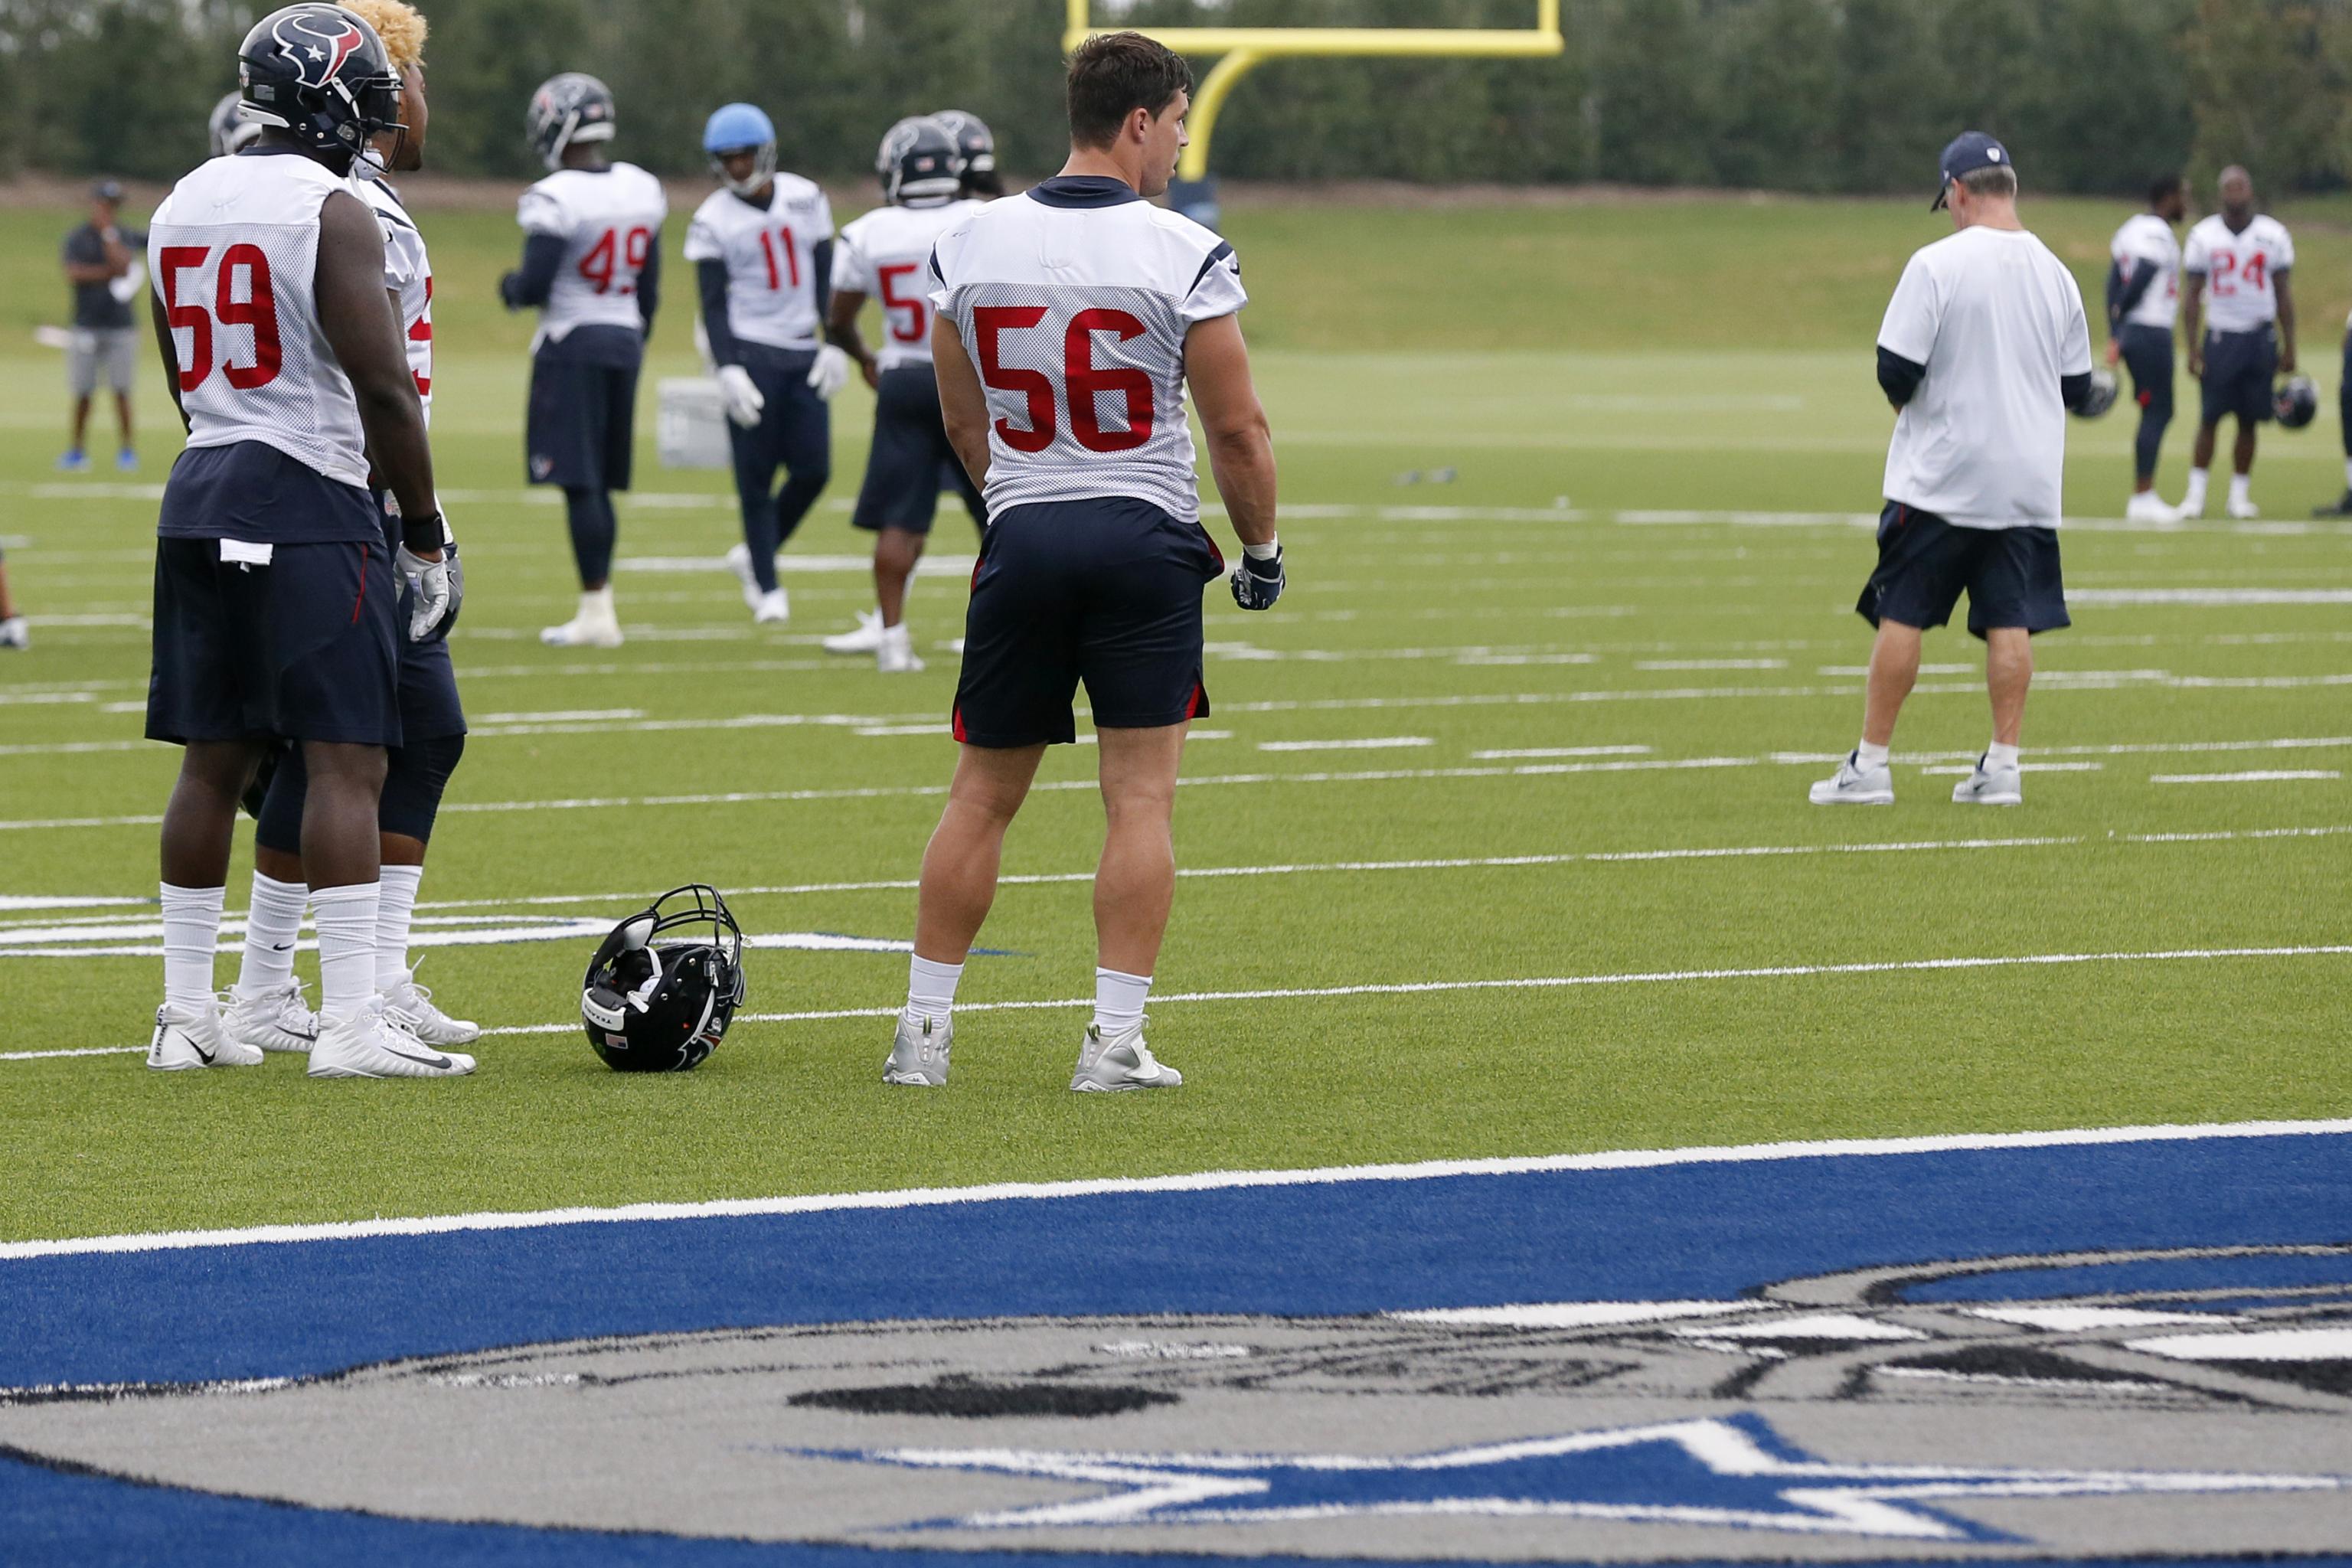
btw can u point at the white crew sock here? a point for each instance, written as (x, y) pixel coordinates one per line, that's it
(271, 925)
(1999, 756)
(395, 902)
(2241, 488)
(1118, 1001)
(2348, 473)
(931, 988)
(346, 922)
(596, 603)
(1867, 756)
(191, 918)
(2194, 497)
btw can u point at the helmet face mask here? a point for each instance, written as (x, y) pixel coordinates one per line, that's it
(320, 73)
(919, 162)
(650, 1005)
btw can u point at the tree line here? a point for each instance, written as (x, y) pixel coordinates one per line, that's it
(2095, 95)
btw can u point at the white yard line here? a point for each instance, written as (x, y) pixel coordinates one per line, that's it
(1369, 743)
(1208, 1180)
(2260, 775)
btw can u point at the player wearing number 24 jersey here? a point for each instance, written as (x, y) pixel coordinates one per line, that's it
(2237, 263)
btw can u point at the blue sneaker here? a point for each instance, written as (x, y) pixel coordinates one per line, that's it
(127, 461)
(74, 463)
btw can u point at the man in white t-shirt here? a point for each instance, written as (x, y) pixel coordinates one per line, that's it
(2143, 302)
(1983, 349)
(2236, 263)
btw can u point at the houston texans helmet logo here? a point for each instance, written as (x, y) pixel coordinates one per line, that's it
(317, 41)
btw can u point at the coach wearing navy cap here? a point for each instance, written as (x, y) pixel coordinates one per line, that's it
(1984, 348)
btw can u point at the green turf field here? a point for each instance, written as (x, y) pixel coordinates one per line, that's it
(1661, 421)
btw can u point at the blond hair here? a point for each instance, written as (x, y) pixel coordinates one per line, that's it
(398, 24)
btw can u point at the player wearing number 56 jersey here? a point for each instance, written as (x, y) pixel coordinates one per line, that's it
(762, 254)
(2237, 263)
(592, 264)
(1072, 318)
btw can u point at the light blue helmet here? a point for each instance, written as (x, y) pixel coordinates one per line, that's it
(733, 127)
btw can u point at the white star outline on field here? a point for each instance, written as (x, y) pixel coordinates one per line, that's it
(1733, 1472)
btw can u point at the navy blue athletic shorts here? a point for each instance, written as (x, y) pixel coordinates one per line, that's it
(2010, 574)
(584, 410)
(1106, 591)
(2240, 368)
(304, 649)
(909, 457)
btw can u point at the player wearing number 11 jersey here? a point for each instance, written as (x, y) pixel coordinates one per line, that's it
(592, 264)
(1072, 320)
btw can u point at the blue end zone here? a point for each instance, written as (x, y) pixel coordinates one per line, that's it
(1697, 1231)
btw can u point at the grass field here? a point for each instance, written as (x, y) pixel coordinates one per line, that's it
(1572, 699)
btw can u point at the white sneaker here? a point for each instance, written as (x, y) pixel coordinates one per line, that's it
(2192, 506)
(1109, 1067)
(2245, 510)
(772, 610)
(918, 1055)
(2147, 506)
(598, 624)
(739, 560)
(279, 1020)
(368, 1044)
(1989, 786)
(896, 655)
(867, 639)
(14, 633)
(184, 1040)
(410, 1005)
(1852, 784)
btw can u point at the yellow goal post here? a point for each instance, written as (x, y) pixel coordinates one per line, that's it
(1242, 49)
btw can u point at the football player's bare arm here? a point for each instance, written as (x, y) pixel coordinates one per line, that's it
(171, 352)
(650, 289)
(2192, 309)
(840, 331)
(362, 326)
(1241, 445)
(2280, 281)
(963, 403)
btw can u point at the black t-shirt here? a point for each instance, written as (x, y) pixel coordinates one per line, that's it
(95, 308)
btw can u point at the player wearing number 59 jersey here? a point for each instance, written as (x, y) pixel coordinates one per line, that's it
(592, 264)
(2237, 263)
(1072, 320)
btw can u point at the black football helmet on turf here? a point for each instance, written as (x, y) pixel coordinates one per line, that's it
(918, 163)
(656, 1007)
(978, 144)
(2296, 403)
(322, 73)
(572, 106)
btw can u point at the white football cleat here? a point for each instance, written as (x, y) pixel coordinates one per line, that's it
(2192, 507)
(410, 1005)
(597, 624)
(1111, 1066)
(896, 655)
(186, 1040)
(2147, 506)
(867, 639)
(739, 560)
(1990, 787)
(279, 1020)
(919, 1056)
(2245, 510)
(14, 633)
(772, 610)
(1853, 785)
(368, 1044)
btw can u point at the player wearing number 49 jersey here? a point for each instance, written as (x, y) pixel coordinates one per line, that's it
(591, 266)
(1071, 321)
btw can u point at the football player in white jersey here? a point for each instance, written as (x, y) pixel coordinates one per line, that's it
(275, 594)
(2237, 261)
(591, 267)
(1071, 321)
(763, 252)
(2143, 298)
(266, 1007)
(885, 256)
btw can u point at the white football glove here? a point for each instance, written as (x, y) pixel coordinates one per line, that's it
(831, 371)
(743, 399)
(435, 587)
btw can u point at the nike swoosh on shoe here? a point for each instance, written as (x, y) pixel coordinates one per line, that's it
(443, 1063)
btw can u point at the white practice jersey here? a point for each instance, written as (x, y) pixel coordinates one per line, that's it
(885, 256)
(234, 253)
(2240, 270)
(610, 220)
(771, 256)
(408, 273)
(1073, 301)
(2148, 238)
(1998, 320)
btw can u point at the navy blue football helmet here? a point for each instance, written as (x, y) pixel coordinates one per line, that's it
(655, 1007)
(2296, 403)
(978, 145)
(918, 163)
(319, 71)
(572, 106)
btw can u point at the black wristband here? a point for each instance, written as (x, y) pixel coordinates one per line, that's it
(421, 534)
